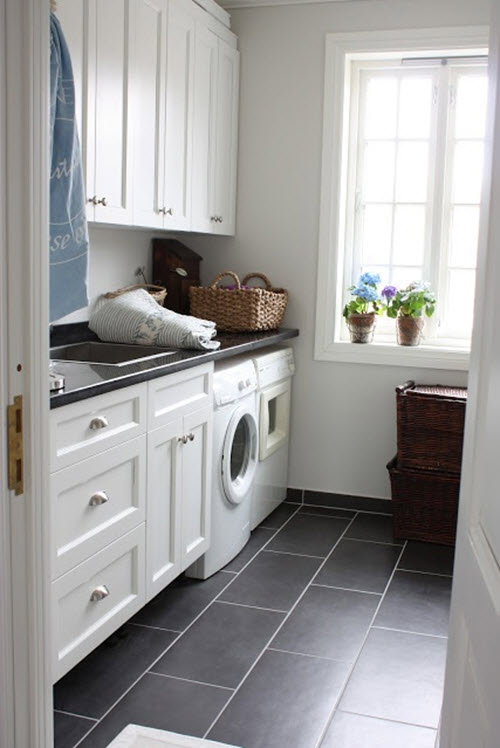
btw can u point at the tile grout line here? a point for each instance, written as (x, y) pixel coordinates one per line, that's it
(188, 680)
(376, 542)
(252, 607)
(306, 654)
(345, 509)
(230, 581)
(345, 589)
(406, 631)
(154, 628)
(72, 714)
(356, 659)
(289, 553)
(287, 616)
(387, 719)
(429, 573)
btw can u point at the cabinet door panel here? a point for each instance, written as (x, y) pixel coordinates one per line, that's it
(163, 507)
(179, 123)
(149, 111)
(227, 138)
(204, 129)
(112, 121)
(196, 485)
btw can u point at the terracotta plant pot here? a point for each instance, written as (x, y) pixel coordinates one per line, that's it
(409, 330)
(361, 327)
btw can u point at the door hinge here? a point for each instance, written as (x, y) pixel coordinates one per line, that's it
(16, 447)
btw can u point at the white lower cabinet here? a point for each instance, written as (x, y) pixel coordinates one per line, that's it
(127, 520)
(95, 598)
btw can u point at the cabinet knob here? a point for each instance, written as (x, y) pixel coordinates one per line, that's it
(166, 212)
(101, 497)
(93, 200)
(214, 219)
(99, 593)
(220, 219)
(103, 201)
(182, 439)
(99, 422)
(191, 437)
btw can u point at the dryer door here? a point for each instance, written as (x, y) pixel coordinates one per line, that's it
(239, 455)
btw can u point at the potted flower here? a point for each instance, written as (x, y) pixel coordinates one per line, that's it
(360, 313)
(408, 307)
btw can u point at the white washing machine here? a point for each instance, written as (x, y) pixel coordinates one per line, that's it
(275, 369)
(235, 450)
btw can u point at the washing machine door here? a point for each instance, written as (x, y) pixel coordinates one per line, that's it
(239, 455)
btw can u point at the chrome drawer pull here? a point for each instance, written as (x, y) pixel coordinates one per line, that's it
(99, 593)
(100, 422)
(101, 497)
(191, 437)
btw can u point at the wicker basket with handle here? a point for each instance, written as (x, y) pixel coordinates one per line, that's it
(158, 293)
(240, 309)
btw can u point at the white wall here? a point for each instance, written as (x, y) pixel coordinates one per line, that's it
(114, 256)
(343, 425)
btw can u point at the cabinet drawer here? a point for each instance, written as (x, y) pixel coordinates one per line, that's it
(96, 502)
(87, 428)
(178, 394)
(95, 598)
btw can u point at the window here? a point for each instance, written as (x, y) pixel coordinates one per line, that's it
(401, 185)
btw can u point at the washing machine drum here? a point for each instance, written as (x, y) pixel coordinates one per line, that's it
(239, 455)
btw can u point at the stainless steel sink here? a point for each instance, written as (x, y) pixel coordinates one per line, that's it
(110, 354)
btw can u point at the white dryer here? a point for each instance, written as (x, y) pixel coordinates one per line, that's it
(274, 369)
(235, 450)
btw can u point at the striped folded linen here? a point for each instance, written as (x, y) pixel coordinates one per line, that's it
(135, 317)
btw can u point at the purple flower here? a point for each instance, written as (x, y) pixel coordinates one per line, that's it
(389, 292)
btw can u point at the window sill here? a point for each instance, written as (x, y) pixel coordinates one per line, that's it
(391, 354)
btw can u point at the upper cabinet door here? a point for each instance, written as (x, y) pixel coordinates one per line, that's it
(179, 115)
(204, 129)
(110, 58)
(227, 138)
(149, 111)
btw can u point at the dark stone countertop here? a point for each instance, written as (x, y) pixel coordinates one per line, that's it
(88, 380)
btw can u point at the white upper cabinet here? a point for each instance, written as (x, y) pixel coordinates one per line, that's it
(109, 121)
(215, 136)
(227, 138)
(157, 102)
(150, 81)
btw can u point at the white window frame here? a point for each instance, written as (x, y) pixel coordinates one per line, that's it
(341, 49)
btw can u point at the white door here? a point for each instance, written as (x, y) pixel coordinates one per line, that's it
(149, 85)
(471, 715)
(196, 485)
(204, 129)
(227, 138)
(179, 123)
(109, 142)
(164, 507)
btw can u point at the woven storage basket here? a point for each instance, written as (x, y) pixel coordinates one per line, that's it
(158, 293)
(239, 309)
(430, 426)
(425, 504)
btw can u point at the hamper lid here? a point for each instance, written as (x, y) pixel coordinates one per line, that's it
(438, 390)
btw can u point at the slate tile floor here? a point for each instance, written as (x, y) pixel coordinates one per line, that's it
(322, 633)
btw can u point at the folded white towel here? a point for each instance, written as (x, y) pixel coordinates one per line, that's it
(135, 317)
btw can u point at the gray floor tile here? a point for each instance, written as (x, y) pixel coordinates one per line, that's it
(221, 646)
(344, 501)
(325, 511)
(429, 557)
(417, 602)
(309, 534)
(258, 538)
(328, 623)
(398, 677)
(272, 580)
(285, 701)
(359, 566)
(294, 495)
(164, 703)
(280, 515)
(374, 527)
(354, 731)
(178, 604)
(104, 675)
(68, 730)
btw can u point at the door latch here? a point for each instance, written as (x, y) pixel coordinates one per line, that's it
(16, 447)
